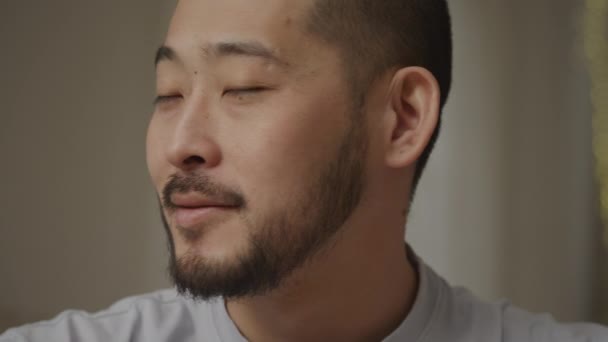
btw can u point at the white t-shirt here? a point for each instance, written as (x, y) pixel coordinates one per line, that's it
(440, 314)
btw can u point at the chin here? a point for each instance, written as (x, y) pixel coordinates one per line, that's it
(220, 244)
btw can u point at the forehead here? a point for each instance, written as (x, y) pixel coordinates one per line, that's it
(278, 24)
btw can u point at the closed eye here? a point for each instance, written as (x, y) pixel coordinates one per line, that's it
(244, 90)
(166, 98)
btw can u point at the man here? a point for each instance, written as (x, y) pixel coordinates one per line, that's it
(286, 143)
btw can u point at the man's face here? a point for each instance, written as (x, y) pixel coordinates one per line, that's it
(255, 147)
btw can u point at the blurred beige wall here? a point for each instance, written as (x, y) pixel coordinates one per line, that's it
(506, 205)
(77, 217)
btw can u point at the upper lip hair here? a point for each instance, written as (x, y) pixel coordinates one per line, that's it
(194, 200)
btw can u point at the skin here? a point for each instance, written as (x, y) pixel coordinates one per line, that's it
(265, 143)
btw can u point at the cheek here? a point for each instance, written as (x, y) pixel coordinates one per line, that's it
(280, 156)
(154, 153)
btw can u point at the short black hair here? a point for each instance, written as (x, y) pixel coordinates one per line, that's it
(376, 35)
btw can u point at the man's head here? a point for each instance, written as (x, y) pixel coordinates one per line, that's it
(275, 121)
(375, 36)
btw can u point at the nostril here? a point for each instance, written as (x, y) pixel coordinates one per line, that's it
(193, 160)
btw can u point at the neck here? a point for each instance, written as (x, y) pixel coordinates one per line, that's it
(360, 289)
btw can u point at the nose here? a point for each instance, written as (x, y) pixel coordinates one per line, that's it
(192, 146)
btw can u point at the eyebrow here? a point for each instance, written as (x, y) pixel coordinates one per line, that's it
(164, 53)
(226, 49)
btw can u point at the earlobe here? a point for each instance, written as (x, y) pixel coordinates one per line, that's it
(414, 106)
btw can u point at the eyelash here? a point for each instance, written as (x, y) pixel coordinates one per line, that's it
(165, 98)
(233, 91)
(246, 90)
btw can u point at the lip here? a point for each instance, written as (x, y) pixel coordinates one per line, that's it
(193, 200)
(192, 209)
(189, 218)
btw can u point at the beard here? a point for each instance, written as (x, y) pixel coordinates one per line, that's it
(279, 242)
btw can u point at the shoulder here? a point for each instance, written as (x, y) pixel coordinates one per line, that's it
(150, 317)
(504, 322)
(520, 325)
(467, 318)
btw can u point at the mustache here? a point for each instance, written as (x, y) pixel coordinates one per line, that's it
(203, 185)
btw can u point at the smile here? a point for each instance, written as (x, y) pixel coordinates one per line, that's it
(191, 217)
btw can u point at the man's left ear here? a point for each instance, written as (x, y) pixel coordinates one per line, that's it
(412, 116)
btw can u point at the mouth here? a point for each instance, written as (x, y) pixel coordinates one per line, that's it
(191, 217)
(192, 210)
